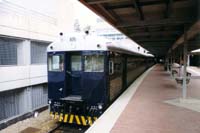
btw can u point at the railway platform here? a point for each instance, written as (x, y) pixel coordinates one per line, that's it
(153, 104)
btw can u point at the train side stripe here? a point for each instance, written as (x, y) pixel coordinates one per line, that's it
(89, 120)
(80, 120)
(71, 118)
(66, 116)
(83, 120)
(77, 120)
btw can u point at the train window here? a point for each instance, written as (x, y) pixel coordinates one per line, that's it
(94, 63)
(56, 63)
(76, 63)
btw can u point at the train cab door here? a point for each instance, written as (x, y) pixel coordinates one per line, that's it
(74, 74)
(56, 75)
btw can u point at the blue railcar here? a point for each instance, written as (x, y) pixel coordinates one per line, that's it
(86, 74)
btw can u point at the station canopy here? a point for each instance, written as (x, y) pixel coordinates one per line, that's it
(156, 25)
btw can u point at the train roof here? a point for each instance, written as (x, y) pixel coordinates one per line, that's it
(83, 42)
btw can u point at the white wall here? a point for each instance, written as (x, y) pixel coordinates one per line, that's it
(40, 20)
(22, 76)
(35, 19)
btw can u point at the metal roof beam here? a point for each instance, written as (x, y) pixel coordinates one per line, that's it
(145, 3)
(102, 1)
(193, 31)
(117, 17)
(155, 33)
(169, 8)
(162, 22)
(138, 9)
(154, 40)
(106, 12)
(158, 43)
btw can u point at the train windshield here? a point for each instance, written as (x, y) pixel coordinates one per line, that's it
(94, 63)
(56, 63)
(76, 63)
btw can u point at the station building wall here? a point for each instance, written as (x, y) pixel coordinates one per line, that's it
(26, 29)
(21, 101)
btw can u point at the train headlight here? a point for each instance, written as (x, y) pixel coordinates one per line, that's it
(100, 106)
(49, 101)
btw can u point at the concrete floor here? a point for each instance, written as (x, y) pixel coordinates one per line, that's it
(147, 113)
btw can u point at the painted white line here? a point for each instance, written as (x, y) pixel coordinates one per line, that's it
(107, 120)
(193, 71)
(189, 103)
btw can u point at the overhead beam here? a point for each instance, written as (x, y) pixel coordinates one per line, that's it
(155, 46)
(154, 40)
(157, 33)
(159, 52)
(117, 17)
(191, 33)
(169, 8)
(158, 44)
(106, 12)
(142, 3)
(101, 1)
(138, 9)
(155, 23)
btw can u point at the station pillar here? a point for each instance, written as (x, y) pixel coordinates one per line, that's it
(188, 60)
(185, 51)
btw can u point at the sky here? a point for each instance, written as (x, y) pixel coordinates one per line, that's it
(86, 16)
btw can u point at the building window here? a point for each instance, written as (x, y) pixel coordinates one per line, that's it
(8, 51)
(38, 53)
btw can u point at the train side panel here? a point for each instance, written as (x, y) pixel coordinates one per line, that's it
(135, 67)
(126, 69)
(116, 76)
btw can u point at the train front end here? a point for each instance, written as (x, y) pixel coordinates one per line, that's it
(77, 84)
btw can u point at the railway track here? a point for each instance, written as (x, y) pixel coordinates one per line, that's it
(66, 128)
